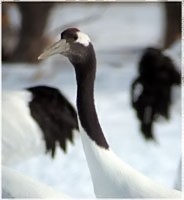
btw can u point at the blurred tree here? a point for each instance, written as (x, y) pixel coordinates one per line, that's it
(34, 17)
(173, 22)
(5, 26)
(5, 19)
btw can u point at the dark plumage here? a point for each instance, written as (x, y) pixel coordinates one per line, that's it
(157, 75)
(54, 114)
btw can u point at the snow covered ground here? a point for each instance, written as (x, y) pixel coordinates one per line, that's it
(118, 34)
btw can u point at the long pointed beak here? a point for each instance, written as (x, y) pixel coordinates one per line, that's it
(60, 47)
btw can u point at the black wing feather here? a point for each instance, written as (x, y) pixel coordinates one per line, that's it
(55, 115)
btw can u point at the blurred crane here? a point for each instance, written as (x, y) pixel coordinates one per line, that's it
(151, 91)
(34, 121)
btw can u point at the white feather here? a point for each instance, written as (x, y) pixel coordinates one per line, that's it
(83, 39)
(112, 178)
(17, 185)
(20, 133)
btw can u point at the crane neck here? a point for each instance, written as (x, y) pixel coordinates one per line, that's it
(85, 75)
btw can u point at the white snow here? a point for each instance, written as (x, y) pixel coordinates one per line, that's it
(118, 35)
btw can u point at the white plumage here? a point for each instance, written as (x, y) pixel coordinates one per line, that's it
(35, 121)
(113, 178)
(83, 39)
(17, 185)
(21, 135)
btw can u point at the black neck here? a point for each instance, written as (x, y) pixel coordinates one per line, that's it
(85, 75)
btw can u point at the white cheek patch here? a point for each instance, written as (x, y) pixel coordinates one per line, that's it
(83, 39)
